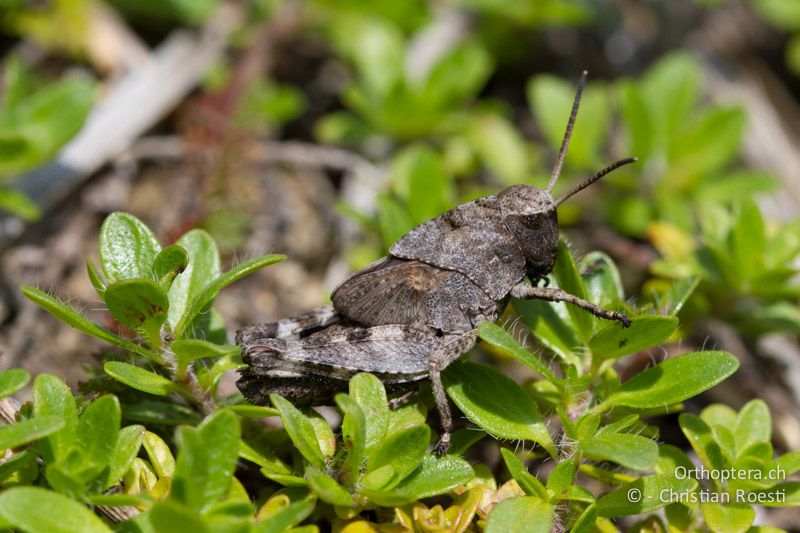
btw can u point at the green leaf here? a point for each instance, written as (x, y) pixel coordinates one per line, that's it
(500, 146)
(561, 478)
(679, 293)
(126, 450)
(631, 451)
(431, 478)
(96, 278)
(206, 296)
(286, 508)
(601, 278)
(732, 518)
(522, 512)
(19, 205)
(207, 460)
(674, 380)
(34, 126)
(159, 412)
(644, 332)
(26, 431)
(393, 219)
(323, 432)
(496, 403)
(670, 90)
(203, 267)
(52, 397)
(746, 241)
(127, 247)
(140, 379)
(710, 143)
(369, 393)
(60, 513)
(527, 481)
(327, 489)
(753, 424)
(98, 430)
(550, 98)
(13, 380)
(643, 495)
(173, 516)
(569, 280)
(65, 313)
(402, 450)
(499, 338)
(702, 440)
(188, 350)
(354, 432)
(169, 262)
(421, 178)
(139, 304)
(300, 430)
(159, 454)
(253, 411)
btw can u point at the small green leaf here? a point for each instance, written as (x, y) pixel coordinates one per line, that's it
(19, 205)
(127, 247)
(171, 515)
(562, 476)
(702, 440)
(26, 431)
(527, 481)
(286, 508)
(499, 338)
(13, 380)
(354, 432)
(140, 379)
(139, 304)
(253, 411)
(496, 403)
(500, 146)
(601, 278)
(188, 350)
(63, 515)
(643, 495)
(98, 430)
(753, 424)
(402, 450)
(52, 397)
(369, 393)
(300, 430)
(159, 412)
(674, 380)
(731, 518)
(96, 278)
(431, 478)
(159, 454)
(207, 294)
(65, 313)
(569, 280)
(327, 489)
(126, 450)
(514, 514)
(206, 460)
(644, 332)
(169, 262)
(631, 451)
(203, 266)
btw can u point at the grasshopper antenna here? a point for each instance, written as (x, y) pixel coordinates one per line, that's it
(562, 153)
(591, 179)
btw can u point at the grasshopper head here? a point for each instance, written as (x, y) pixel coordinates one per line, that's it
(530, 213)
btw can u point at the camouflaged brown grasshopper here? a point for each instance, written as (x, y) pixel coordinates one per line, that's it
(407, 316)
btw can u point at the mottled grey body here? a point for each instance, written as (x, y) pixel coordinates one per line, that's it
(407, 316)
